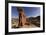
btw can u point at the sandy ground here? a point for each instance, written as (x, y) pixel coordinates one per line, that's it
(25, 26)
(29, 26)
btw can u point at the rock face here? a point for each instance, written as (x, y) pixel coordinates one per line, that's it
(22, 17)
(35, 20)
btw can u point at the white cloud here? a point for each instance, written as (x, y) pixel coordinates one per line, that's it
(16, 17)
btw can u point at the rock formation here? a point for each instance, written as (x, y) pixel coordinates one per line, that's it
(22, 17)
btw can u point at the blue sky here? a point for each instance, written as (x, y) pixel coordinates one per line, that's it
(29, 11)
